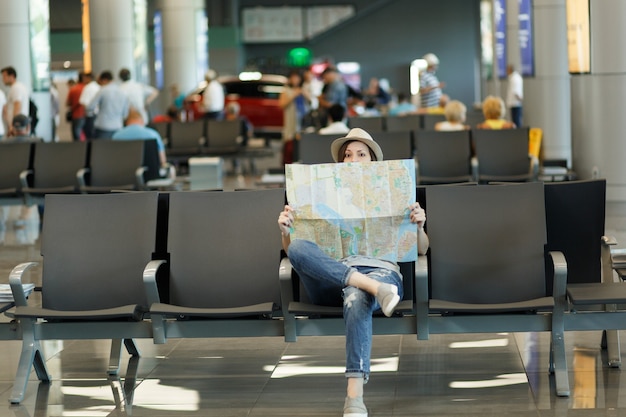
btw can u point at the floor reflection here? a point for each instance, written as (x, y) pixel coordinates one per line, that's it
(584, 392)
(19, 225)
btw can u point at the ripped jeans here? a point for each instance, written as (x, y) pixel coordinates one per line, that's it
(325, 281)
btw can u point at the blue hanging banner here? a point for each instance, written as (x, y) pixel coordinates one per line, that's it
(500, 33)
(158, 50)
(527, 53)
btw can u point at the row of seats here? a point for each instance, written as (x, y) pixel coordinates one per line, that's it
(446, 157)
(376, 124)
(31, 170)
(200, 137)
(198, 264)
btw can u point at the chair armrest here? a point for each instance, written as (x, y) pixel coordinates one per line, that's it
(610, 258)
(474, 167)
(139, 181)
(609, 240)
(15, 281)
(81, 177)
(286, 282)
(26, 178)
(168, 171)
(559, 285)
(534, 167)
(286, 297)
(149, 281)
(421, 297)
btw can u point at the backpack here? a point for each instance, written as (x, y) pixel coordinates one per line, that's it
(32, 114)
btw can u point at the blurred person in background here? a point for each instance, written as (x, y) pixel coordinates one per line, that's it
(112, 104)
(455, 113)
(136, 129)
(494, 111)
(290, 100)
(337, 125)
(21, 130)
(89, 92)
(375, 92)
(430, 86)
(335, 90)
(76, 110)
(514, 94)
(139, 95)
(439, 109)
(403, 107)
(213, 97)
(18, 99)
(3, 102)
(233, 112)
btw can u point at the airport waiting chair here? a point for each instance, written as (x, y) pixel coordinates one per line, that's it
(409, 122)
(163, 128)
(474, 117)
(487, 271)
(15, 158)
(587, 251)
(430, 120)
(94, 249)
(395, 145)
(113, 165)
(155, 176)
(222, 137)
(371, 124)
(186, 138)
(222, 266)
(443, 157)
(54, 169)
(314, 148)
(502, 155)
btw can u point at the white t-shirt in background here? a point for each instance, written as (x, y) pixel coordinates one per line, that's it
(213, 97)
(3, 102)
(516, 88)
(17, 93)
(137, 94)
(88, 94)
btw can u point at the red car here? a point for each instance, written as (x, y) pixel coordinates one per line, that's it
(257, 96)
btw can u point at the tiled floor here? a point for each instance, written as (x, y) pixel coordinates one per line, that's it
(461, 375)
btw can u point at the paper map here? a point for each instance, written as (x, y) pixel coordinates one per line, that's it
(355, 208)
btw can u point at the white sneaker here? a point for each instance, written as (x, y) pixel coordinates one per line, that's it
(354, 407)
(388, 298)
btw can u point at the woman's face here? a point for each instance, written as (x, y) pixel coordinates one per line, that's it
(357, 152)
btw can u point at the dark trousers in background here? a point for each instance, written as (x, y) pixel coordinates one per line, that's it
(89, 128)
(516, 116)
(214, 115)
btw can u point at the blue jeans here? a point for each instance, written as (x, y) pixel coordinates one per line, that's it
(77, 128)
(104, 134)
(325, 281)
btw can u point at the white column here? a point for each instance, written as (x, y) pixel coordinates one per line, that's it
(15, 51)
(547, 95)
(598, 98)
(180, 43)
(15, 36)
(112, 35)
